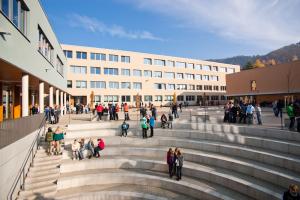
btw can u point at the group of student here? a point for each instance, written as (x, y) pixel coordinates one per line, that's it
(175, 162)
(52, 114)
(54, 141)
(112, 110)
(92, 146)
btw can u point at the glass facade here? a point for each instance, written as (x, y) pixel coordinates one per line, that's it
(95, 70)
(113, 58)
(111, 71)
(125, 72)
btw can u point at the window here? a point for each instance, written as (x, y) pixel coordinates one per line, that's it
(223, 69)
(159, 62)
(215, 68)
(78, 69)
(125, 59)
(214, 98)
(45, 48)
(170, 86)
(180, 98)
(191, 87)
(190, 98)
(214, 78)
(198, 77)
(137, 72)
(148, 98)
(59, 66)
(137, 85)
(190, 66)
(216, 88)
(125, 72)
(199, 87)
(223, 97)
(159, 86)
(168, 97)
(111, 98)
(147, 61)
(189, 76)
(98, 56)
(158, 98)
(81, 84)
(68, 54)
(69, 83)
(157, 74)
(111, 71)
(206, 68)
(23, 18)
(180, 64)
(81, 55)
(125, 85)
(207, 87)
(198, 67)
(230, 70)
(5, 7)
(125, 98)
(98, 84)
(169, 75)
(170, 63)
(223, 88)
(113, 58)
(181, 87)
(179, 75)
(15, 12)
(95, 70)
(113, 85)
(147, 73)
(97, 98)
(205, 77)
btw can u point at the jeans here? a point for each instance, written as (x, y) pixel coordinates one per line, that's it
(76, 155)
(178, 172)
(298, 124)
(126, 116)
(249, 118)
(151, 129)
(292, 122)
(124, 132)
(96, 151)
(89, 146)
(144, 133)
(170, 170)
(258, 115)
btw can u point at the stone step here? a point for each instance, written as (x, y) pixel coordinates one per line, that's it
(44, 168)
(243, 184)
(34, 174)
(119, 191)
(39, 184)
(48, 177)
(46, 163)
(265, 172)
(41, 158)
(261, 155)
(39, 193)
(195, 188)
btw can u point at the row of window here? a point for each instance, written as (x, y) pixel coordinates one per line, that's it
(138, 73)
(149, 98)
(138, 86)
(97, 56)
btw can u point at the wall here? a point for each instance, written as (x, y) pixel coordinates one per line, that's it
(11, 160)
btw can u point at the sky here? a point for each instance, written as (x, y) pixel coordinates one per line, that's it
(200, 29)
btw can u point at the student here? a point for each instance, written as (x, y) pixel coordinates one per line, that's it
(99, 148)
(144, 127)
(292, 193)
(170, 161)
(179, 164)
(249, 113)
(126, 109)
(49, 139)
(291, 114)
(163, 120)
(99, 111)
(124, 128)
(117, 109)
(258, 114)
(174, 160)
(58, 137)
(152, 124)
(75, 149)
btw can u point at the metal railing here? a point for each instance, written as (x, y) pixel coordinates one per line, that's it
(20, 178)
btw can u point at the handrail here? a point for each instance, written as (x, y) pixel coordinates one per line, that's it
(22, 169)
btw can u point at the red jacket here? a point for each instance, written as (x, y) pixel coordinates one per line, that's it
(101, 144)
(100, 108)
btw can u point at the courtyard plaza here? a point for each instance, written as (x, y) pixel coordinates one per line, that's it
(221, 160)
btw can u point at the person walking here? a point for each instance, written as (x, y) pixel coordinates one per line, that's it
(99, 111)
(152, 124)
(117, 109)
(179, 164)
(50, 140)
(144, 127)
(126, 109)
(291, 114)
(170, 161)
(249, 113)
(58, 137)
(153, 112)
(258, 114)
(124, 128)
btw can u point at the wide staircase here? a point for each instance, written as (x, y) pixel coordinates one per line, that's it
(220, 162)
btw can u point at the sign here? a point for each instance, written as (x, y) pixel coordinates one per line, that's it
(253, 85)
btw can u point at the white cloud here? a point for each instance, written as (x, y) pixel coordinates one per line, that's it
(96, 26)
(264, 23)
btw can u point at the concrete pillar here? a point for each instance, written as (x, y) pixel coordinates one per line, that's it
(1, 102)
(57, 98)
(51, 97)
(41, 97)
(32, 99)
(25, 91)
(65, 102)
(7, 106)
(62, 103)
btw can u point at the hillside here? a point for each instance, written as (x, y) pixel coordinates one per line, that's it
(282, 55)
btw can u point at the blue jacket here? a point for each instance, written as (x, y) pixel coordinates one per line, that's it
(152, 121)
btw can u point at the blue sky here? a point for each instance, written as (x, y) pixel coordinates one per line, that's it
(202, 29)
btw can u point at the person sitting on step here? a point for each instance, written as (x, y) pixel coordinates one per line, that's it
(75, 150)
(292, 193)
(99, 148)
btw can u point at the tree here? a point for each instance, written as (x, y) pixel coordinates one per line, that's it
(258, 64)
(248, 65)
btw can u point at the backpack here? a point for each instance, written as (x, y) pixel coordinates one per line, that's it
(49, 136)
(124, 126)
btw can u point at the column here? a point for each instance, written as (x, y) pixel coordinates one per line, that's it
(51, 97)
(1, 102)
(41, 97)
(61, 103)
(65, 102)
(25, 91)
(7, 106)
(57, 98)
